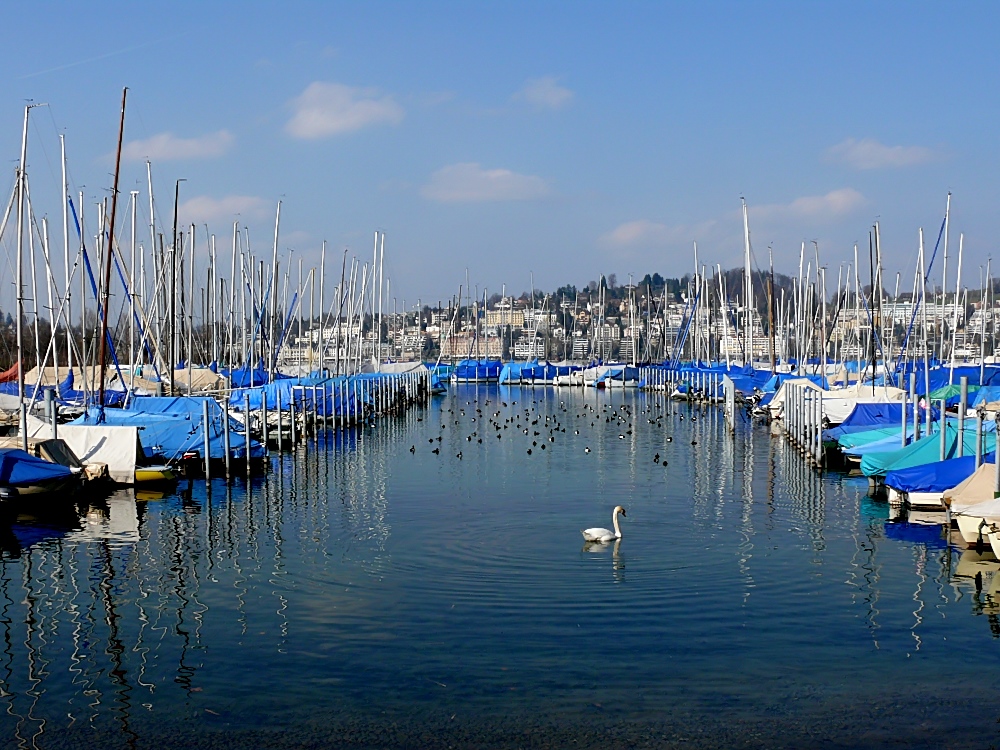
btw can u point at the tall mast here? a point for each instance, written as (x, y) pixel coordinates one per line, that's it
(371, 305)
(940, 316)
(190, 310)
(923, 317)
(381, 287)
(232, 296)
(340, 313)
(52, 309)
(749, 286)
(770, 305)
(322, 299)
(274, 291)
(152, 242)
(65, 218)
(131, 283)
(107, 264)
(171, 329)
(215, 281)
(958, 283)
(83, 306)
(23, 415)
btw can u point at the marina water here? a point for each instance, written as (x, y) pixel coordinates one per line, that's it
(369, 592)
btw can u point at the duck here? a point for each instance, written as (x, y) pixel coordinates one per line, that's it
(605, 535)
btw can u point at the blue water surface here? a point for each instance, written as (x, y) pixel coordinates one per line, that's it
(369, 592)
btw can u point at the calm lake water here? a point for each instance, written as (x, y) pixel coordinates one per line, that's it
(367, 595)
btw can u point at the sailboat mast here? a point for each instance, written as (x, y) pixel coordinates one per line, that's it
(770, 304)
(108, 254)
(748, 336)
(23, 415)
(381, 289)
(65, 217)
(940, 314)
(134, 194)
(272, 319)
(322, 307)
(958, 283)
(172, 346)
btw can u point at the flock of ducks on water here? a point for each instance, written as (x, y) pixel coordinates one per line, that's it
(543, 430)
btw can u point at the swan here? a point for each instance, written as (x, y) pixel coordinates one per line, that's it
(605, 535)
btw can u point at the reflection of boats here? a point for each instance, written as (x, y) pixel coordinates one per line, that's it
(145, 494)
(927, 535)
(21, 535)
(981, 572)
(115, 519)
(972, 564)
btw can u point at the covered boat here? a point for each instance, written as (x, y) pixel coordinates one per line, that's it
(22, 475)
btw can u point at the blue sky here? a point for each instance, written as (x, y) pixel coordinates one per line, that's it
(560, 139)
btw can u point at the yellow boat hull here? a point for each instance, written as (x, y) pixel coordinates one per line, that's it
(154, 474)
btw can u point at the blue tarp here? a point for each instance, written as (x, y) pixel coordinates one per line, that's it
(623, 373)
(10, 388)
(986, 394)
(477, 370)
(334, 396)
(925, 451)
(245, 377)
(170, 426)
(934, 477)
(20, 469)
(867, 416)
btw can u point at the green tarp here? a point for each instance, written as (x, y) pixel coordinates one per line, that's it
(926, 451)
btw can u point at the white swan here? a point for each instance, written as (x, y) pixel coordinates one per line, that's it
(605, 535)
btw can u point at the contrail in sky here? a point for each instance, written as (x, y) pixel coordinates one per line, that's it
(102, 57)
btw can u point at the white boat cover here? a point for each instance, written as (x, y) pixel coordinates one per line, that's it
(115, 446)
(974, 496)
(198, 380)
(777, 404)
(47, 376)
(395, 368)
(838, 404)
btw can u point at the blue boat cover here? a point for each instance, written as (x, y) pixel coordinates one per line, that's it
(986, 394)
(935, 477)
(167, 435)
(926, 451)
(20, 469)
(478, 370)
(334, 396)
(245, 377)
(866, 416)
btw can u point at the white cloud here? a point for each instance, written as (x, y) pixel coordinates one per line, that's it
(646, 233)
(470, 183)
(870, 154)
(814, 207)
(326, 109)
(545, 92)
(167, 146)
(203, 208)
